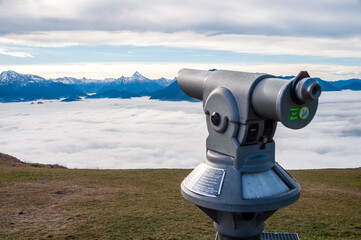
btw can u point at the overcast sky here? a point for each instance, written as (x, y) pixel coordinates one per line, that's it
(92, 38)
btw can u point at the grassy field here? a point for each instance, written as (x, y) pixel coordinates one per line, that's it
(46, 203)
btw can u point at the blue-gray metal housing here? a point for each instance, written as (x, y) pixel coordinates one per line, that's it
(240, 185)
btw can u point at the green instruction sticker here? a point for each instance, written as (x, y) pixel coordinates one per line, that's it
(299, 113)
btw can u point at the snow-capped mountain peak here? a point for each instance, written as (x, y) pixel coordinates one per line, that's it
(8, 76)
(12, 77)
(138, 75)
(67, 80)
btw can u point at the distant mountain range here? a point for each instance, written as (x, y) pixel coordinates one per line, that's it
(328, 86)
(171, 93)
(137, 83)
(15, 87)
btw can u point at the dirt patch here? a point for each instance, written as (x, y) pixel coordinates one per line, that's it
(322, 188)
(45, 207)
(10, 161)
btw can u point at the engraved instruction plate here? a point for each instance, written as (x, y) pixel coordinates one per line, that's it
(205, 180)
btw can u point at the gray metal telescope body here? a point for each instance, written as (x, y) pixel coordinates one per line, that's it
(240, 185)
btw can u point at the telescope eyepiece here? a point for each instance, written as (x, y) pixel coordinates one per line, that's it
(308, 90)
(315, 90)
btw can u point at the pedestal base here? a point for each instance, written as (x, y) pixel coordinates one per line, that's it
(264, 236)
(280, 236)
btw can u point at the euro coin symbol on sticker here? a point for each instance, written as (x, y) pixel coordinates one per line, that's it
(304, 112)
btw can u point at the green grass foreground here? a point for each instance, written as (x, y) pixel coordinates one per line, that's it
(40, 203)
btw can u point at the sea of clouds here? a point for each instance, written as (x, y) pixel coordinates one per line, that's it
(143, 133)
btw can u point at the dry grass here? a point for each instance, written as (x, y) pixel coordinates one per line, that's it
(10, 161)
(42, 203)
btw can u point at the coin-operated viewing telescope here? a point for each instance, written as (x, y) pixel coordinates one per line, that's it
(240, 185)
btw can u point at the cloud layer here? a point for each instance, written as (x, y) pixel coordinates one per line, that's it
(303, 28)
(260, 17)
(245, 43)
(14, 53)
(141, 133)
